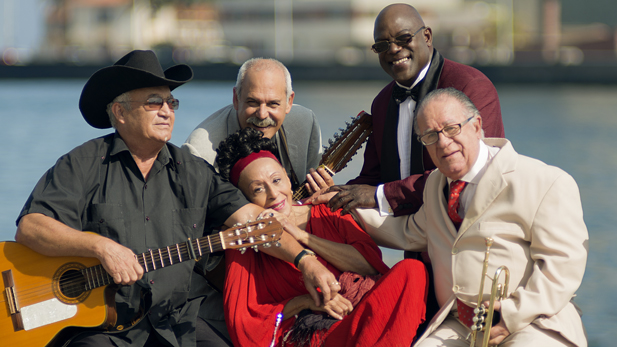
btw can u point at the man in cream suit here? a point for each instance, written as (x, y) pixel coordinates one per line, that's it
(531, 210)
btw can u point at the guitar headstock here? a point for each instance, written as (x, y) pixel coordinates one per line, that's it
(262, 232)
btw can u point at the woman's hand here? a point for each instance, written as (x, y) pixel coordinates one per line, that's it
(338, 307)
(290, 227)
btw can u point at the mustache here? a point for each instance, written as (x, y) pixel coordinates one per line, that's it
(261, 123)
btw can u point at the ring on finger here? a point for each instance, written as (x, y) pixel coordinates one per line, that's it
(335, 284)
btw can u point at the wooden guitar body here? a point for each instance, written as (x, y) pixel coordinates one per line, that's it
(46, 307)
(48, 299)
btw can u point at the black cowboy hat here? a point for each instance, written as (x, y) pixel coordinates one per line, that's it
(137, 69)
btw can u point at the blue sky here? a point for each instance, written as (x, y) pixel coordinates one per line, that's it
(21, 23)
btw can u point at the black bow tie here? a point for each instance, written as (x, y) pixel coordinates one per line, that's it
(400, 94)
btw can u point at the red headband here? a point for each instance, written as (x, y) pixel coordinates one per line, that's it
(240, 165)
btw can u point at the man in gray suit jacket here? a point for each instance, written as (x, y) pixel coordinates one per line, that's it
(532, 211)
(263, 99)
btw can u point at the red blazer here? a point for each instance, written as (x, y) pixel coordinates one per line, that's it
(405, 196)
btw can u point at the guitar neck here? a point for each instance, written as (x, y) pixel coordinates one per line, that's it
(342, 149)
(96, 276)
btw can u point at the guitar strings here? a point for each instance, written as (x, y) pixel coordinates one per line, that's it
(78, 281)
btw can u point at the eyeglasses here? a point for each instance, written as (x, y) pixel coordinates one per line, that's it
(450, 130)
(403, 40)
(155, 103)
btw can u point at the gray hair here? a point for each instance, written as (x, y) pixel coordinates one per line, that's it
(256, 62)
(468, 106)
(124, 99)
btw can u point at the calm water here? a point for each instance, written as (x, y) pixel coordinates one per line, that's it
(572, 127)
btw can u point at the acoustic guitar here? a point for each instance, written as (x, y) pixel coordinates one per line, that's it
(44, 298)
(340, 150)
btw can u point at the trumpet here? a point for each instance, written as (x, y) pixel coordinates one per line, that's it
(498, 292)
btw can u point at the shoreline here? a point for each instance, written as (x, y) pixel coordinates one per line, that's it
(513, 74)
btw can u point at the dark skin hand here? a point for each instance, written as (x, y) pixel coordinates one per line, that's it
(352, 196)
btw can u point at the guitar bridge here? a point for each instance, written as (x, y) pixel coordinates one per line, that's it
(11, 299)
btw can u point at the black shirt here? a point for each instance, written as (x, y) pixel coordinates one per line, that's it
(98, 187)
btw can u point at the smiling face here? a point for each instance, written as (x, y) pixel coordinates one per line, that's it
(263, 103)
(265, 183)
(403, 63)
(138, 125)
(455, 156)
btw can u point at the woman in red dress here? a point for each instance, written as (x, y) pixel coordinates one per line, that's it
(266, 301)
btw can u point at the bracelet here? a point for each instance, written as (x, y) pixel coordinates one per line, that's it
(301, 255)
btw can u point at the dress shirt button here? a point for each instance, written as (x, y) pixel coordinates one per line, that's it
(145, 186)
(455, 289)
(194, 226)
(151, 281)
(147, 218)
(454, 250)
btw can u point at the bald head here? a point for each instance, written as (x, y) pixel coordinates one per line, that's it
(411, 42)
(398, 10)
(261, 64)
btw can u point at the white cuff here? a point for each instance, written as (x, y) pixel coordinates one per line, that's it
(382, 203)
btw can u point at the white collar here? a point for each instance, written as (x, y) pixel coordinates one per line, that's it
(421, 76)
(474, 175)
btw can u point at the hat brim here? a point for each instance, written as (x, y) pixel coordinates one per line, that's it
(108, 83)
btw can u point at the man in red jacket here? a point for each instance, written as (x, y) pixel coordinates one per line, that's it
(395, 162)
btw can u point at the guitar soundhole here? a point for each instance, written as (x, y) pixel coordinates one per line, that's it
(72, 284)
(69, 284)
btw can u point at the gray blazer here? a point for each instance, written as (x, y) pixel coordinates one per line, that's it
(301, 128)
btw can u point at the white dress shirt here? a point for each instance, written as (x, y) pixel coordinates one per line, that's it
(404, 132)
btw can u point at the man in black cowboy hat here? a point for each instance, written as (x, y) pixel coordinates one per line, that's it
(135, 192)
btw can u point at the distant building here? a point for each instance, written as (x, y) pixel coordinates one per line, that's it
(489, 32)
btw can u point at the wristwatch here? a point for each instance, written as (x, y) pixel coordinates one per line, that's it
(301, 255)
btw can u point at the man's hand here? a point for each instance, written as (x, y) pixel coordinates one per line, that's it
(120, 262)
(352, 196)
(499, 331)
(317, 276)
(318, 180)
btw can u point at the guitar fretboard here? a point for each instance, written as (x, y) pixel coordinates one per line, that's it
(96, 276)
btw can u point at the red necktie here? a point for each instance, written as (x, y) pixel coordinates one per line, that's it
(453, 202)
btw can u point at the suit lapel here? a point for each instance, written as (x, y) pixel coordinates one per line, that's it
(491, 184)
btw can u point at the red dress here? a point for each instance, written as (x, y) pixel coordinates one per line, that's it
(258, 286)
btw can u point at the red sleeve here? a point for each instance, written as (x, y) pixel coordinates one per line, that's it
(344, 229)
(250, 309)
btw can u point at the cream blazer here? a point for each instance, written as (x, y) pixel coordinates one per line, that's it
(532, 211)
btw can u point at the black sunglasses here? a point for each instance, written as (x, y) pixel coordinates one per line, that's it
(403, 40)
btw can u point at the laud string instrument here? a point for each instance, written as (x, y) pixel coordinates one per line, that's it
(46, 299)
(483, 316)
(342, 148)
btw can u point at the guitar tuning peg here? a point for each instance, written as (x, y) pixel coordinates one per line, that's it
(267, 245)
(330, 142)
(242, 250)
(255, 248)
(341, 129)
